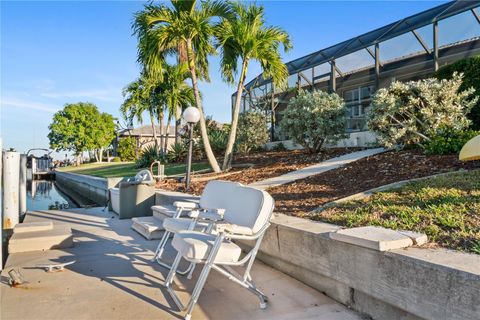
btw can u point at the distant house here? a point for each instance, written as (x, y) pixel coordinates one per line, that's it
(144, 136)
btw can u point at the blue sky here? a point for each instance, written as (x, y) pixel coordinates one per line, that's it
(60, 52)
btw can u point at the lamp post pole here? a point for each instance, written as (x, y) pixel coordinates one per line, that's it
(189, 158)
(191, 116)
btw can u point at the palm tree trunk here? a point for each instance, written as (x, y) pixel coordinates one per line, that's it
(178, 124)
(167, 133)
(162, 129)
(227, 160)
(154, 131)
(203, 126)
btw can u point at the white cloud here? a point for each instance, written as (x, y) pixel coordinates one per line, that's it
(25, 104)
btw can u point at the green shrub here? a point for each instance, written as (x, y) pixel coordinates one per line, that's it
(279, 147)
(116, 159)
(449, 142)
(470, 67)
(148, 155)
(178, 152)
(252, 132)
(126, 149)
(312, 119)
(411, 113)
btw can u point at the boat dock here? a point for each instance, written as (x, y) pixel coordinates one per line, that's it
(113, 277)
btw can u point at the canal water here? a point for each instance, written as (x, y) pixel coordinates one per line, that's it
(46, 195)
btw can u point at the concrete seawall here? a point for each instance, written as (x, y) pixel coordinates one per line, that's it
(407, 284)
(92, 188)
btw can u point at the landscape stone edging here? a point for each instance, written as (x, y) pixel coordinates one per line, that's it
(370, 192)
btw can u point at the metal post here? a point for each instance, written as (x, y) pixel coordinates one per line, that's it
(435, 46)
(377, 66)
(11, 178)
(23, 184)
(333, 76)
(189, 158)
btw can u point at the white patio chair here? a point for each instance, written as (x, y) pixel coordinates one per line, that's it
(210, 208)
(247, 217)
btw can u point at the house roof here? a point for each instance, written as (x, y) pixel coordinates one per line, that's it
(146, 131)
(373, 37)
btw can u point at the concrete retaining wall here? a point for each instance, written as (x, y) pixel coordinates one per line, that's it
(412, 283)
(92, 188)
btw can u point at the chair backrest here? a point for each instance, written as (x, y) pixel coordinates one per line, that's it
(249, 207)
(217, 194)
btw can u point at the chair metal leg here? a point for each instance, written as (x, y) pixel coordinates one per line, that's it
(169, 281)
(203, 276)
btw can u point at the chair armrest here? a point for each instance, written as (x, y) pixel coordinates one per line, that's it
(185, 205)
(233, 229)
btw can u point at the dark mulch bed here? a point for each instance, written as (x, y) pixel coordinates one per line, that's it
(302, 196)
(265, 165)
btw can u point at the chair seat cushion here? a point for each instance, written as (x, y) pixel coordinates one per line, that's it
(195, 245)
(181, 224)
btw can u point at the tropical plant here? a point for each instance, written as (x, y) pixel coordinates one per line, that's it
(412, 113)
(470, 67)
(252, 132)
(313, 118)
(218, 140)
(149, 154)
(162, 30)
(176, 95)
(140, 96)
(127, 149)
(178, 152)
(244, 38)
(80, 127)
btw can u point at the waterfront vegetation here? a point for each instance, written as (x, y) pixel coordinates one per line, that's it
(446, 208)
(127, 169)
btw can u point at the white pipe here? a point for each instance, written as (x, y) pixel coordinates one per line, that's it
(11, 179)
(23, 184)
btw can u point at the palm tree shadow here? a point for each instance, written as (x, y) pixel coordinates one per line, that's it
(114, 263)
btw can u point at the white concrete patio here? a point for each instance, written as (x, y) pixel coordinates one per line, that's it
(113, 278)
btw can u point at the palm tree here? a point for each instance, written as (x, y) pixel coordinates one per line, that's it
(163, 30)
(176, 94)
(138, 100)
(246, 38)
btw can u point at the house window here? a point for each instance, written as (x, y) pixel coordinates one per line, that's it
(357, 102)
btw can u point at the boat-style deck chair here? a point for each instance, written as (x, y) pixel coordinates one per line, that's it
(201, 216)
(247, 217)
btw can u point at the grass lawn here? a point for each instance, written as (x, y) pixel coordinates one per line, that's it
(446, 208)
(126, 169)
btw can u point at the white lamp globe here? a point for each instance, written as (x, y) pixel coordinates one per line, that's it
(191, 115)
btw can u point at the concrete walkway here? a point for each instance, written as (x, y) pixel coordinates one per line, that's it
(113, 278)
(316, 169)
